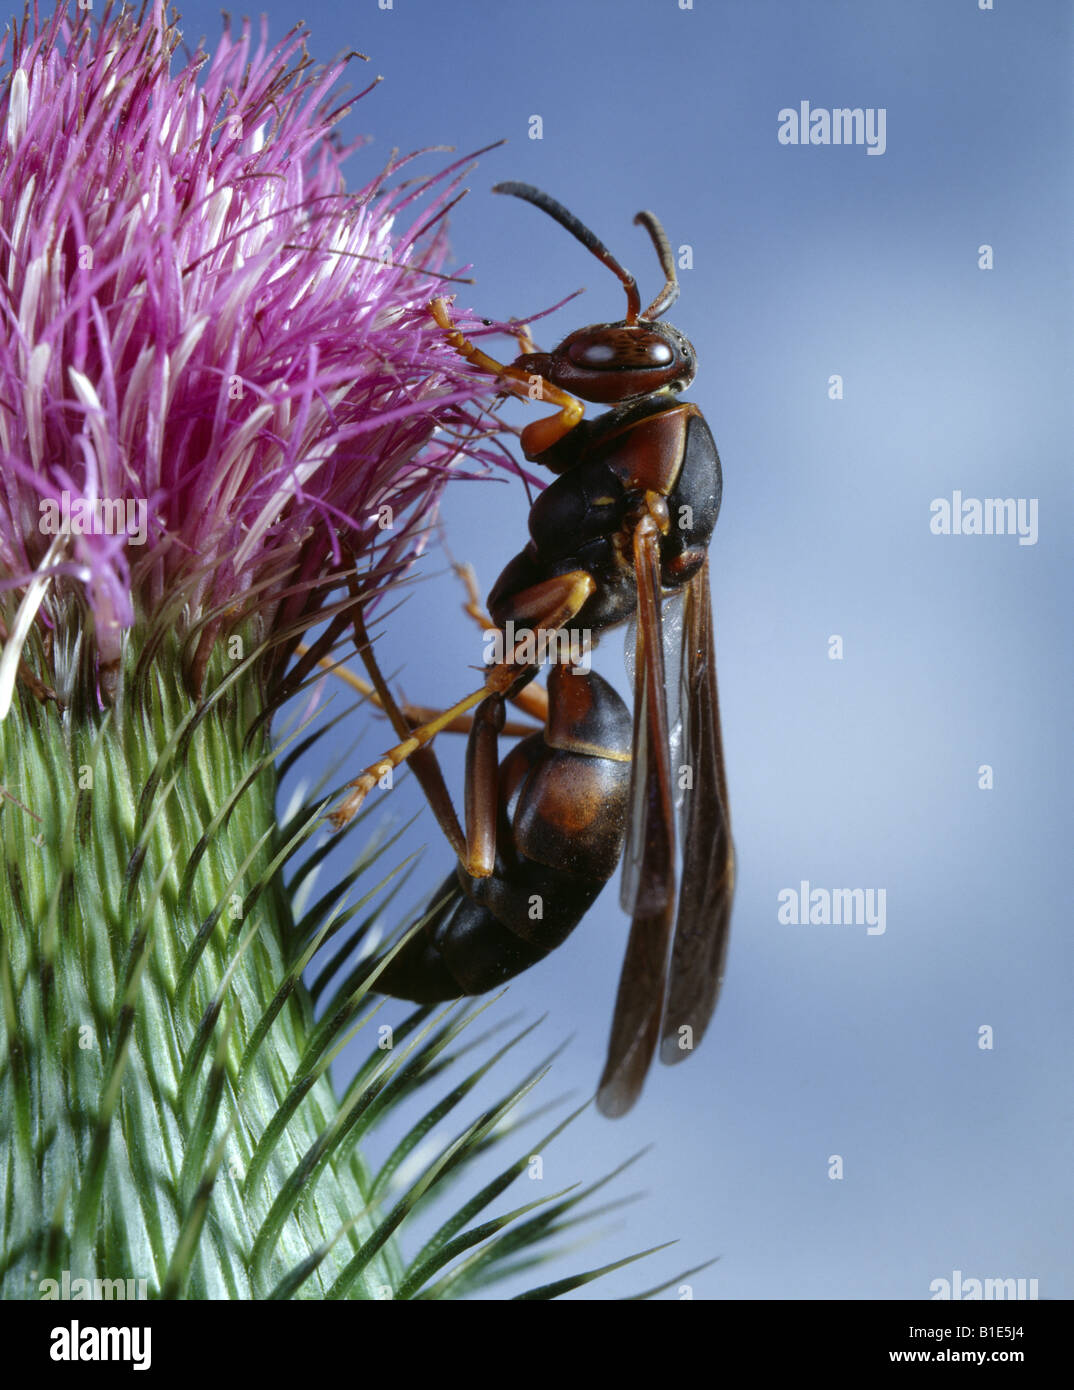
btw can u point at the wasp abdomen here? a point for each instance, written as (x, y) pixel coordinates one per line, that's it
(563, 806)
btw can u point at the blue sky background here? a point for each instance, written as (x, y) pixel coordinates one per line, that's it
(808, 261)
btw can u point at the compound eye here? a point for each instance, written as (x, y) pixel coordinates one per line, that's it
(630, 353)
(592, 354)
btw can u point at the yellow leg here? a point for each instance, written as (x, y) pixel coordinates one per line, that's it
(422, 714)
(525, 342)
(532, 699)
(546, 606)
(360, 788)
(541, 434)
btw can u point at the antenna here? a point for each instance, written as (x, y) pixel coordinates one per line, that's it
(668, 295)
(581, 233)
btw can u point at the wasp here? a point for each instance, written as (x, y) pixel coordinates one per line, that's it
(622, 529)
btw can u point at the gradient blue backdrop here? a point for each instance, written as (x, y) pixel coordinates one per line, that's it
(854, 773)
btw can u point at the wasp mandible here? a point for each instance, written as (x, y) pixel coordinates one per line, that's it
(625, 525)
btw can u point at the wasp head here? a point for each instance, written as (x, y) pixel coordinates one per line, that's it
(608, 362)
(614, 361)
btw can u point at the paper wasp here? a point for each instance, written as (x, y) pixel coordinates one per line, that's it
(624, 525)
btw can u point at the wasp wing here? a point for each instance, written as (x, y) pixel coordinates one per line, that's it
(672, 617)
(708, 868)
(650, 853)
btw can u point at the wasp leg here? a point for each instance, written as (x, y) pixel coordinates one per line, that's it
(525, 341)
(483, 787)
(540, 434)
(477, 850)
(533, 700)
(424, 762)
(416, 715)
(549, 604)
(545, 607)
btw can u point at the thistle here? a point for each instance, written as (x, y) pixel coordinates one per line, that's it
(226, 416)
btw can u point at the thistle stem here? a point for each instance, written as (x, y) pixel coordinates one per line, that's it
(144, 934)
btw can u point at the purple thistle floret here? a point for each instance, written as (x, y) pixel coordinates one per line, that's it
(206, 334)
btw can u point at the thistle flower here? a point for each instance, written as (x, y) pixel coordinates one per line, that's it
(206, 340)
(220, 388)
